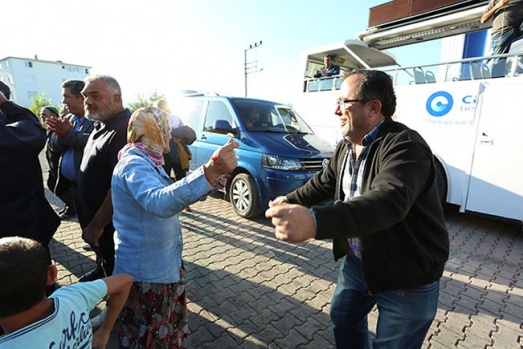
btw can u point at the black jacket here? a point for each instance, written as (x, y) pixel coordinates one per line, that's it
(398, 217)
(24, 210)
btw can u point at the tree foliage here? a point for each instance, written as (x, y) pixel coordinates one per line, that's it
(38, 102)
(144, 101)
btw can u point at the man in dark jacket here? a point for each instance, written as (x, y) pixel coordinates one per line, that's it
(386, 219)
(24, 210)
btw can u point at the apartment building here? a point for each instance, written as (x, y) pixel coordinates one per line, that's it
(28, 77)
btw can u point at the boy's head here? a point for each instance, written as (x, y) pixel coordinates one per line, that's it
(24, 273)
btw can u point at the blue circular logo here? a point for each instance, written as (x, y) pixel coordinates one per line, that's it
(439, 103)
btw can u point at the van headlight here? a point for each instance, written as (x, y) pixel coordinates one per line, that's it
(280, 162)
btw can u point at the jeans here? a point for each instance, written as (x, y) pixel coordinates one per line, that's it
(404, 315)
(501, 43)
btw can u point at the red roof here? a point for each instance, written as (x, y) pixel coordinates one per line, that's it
(400, 10)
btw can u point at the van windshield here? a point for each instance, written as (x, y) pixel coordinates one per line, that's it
(265, 116)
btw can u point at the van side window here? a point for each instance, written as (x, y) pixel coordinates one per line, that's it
(191, 112)
(218, 118)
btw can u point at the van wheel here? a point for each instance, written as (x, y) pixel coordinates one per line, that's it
(244, 196)
(441, 182)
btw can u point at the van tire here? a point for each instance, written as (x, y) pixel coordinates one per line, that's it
(244, 197)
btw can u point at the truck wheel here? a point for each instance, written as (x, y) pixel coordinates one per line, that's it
(441, 182)
(244, 196)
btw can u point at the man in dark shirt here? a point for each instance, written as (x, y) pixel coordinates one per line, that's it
(103, 104)
(330, 69)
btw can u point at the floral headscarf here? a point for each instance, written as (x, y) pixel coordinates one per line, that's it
(148, 131)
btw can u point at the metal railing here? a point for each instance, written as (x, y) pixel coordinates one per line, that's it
(487, 67)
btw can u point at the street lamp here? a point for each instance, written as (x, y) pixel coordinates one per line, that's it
(251, 67)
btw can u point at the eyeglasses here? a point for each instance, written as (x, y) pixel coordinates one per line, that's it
(342, 103)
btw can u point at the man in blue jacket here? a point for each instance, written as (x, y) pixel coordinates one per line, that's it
(69, 138)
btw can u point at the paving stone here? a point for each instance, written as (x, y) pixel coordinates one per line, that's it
(197, 338)
(224, 341)
(506, 336)
(515, 303)
(488, 306)
(246, 289)
(293, 340)
(252, 343)
(286, 323)
(305, 312)
(475, 341)
(260, 320)
(511, 321)
(269, 334)
(310, 328)
(320, 300)
(447, 340)
(469, 303)
(317, 342)
(446, 299)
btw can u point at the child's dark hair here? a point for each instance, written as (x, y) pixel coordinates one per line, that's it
(23, 274)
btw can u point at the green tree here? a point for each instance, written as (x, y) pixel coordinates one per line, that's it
(144, 101)
(38, 102)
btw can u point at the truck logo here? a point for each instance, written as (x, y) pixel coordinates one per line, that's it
(439, 103)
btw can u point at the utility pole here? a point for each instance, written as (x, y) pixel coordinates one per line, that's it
(252, 66)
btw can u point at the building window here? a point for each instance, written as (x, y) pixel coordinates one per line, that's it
(28, 64)
(74, 69)
(87, 71)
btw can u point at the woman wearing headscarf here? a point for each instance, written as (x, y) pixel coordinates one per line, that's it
(148, 239)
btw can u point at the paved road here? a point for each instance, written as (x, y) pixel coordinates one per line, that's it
(248, 290)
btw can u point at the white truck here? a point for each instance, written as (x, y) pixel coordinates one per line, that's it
(471, 120)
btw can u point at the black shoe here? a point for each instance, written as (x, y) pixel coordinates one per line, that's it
(95, 274)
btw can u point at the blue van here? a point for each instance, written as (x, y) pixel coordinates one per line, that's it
(278, 152)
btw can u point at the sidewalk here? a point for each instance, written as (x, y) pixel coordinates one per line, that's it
(248, 290)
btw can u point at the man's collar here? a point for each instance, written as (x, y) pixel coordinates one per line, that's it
(369, 137)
